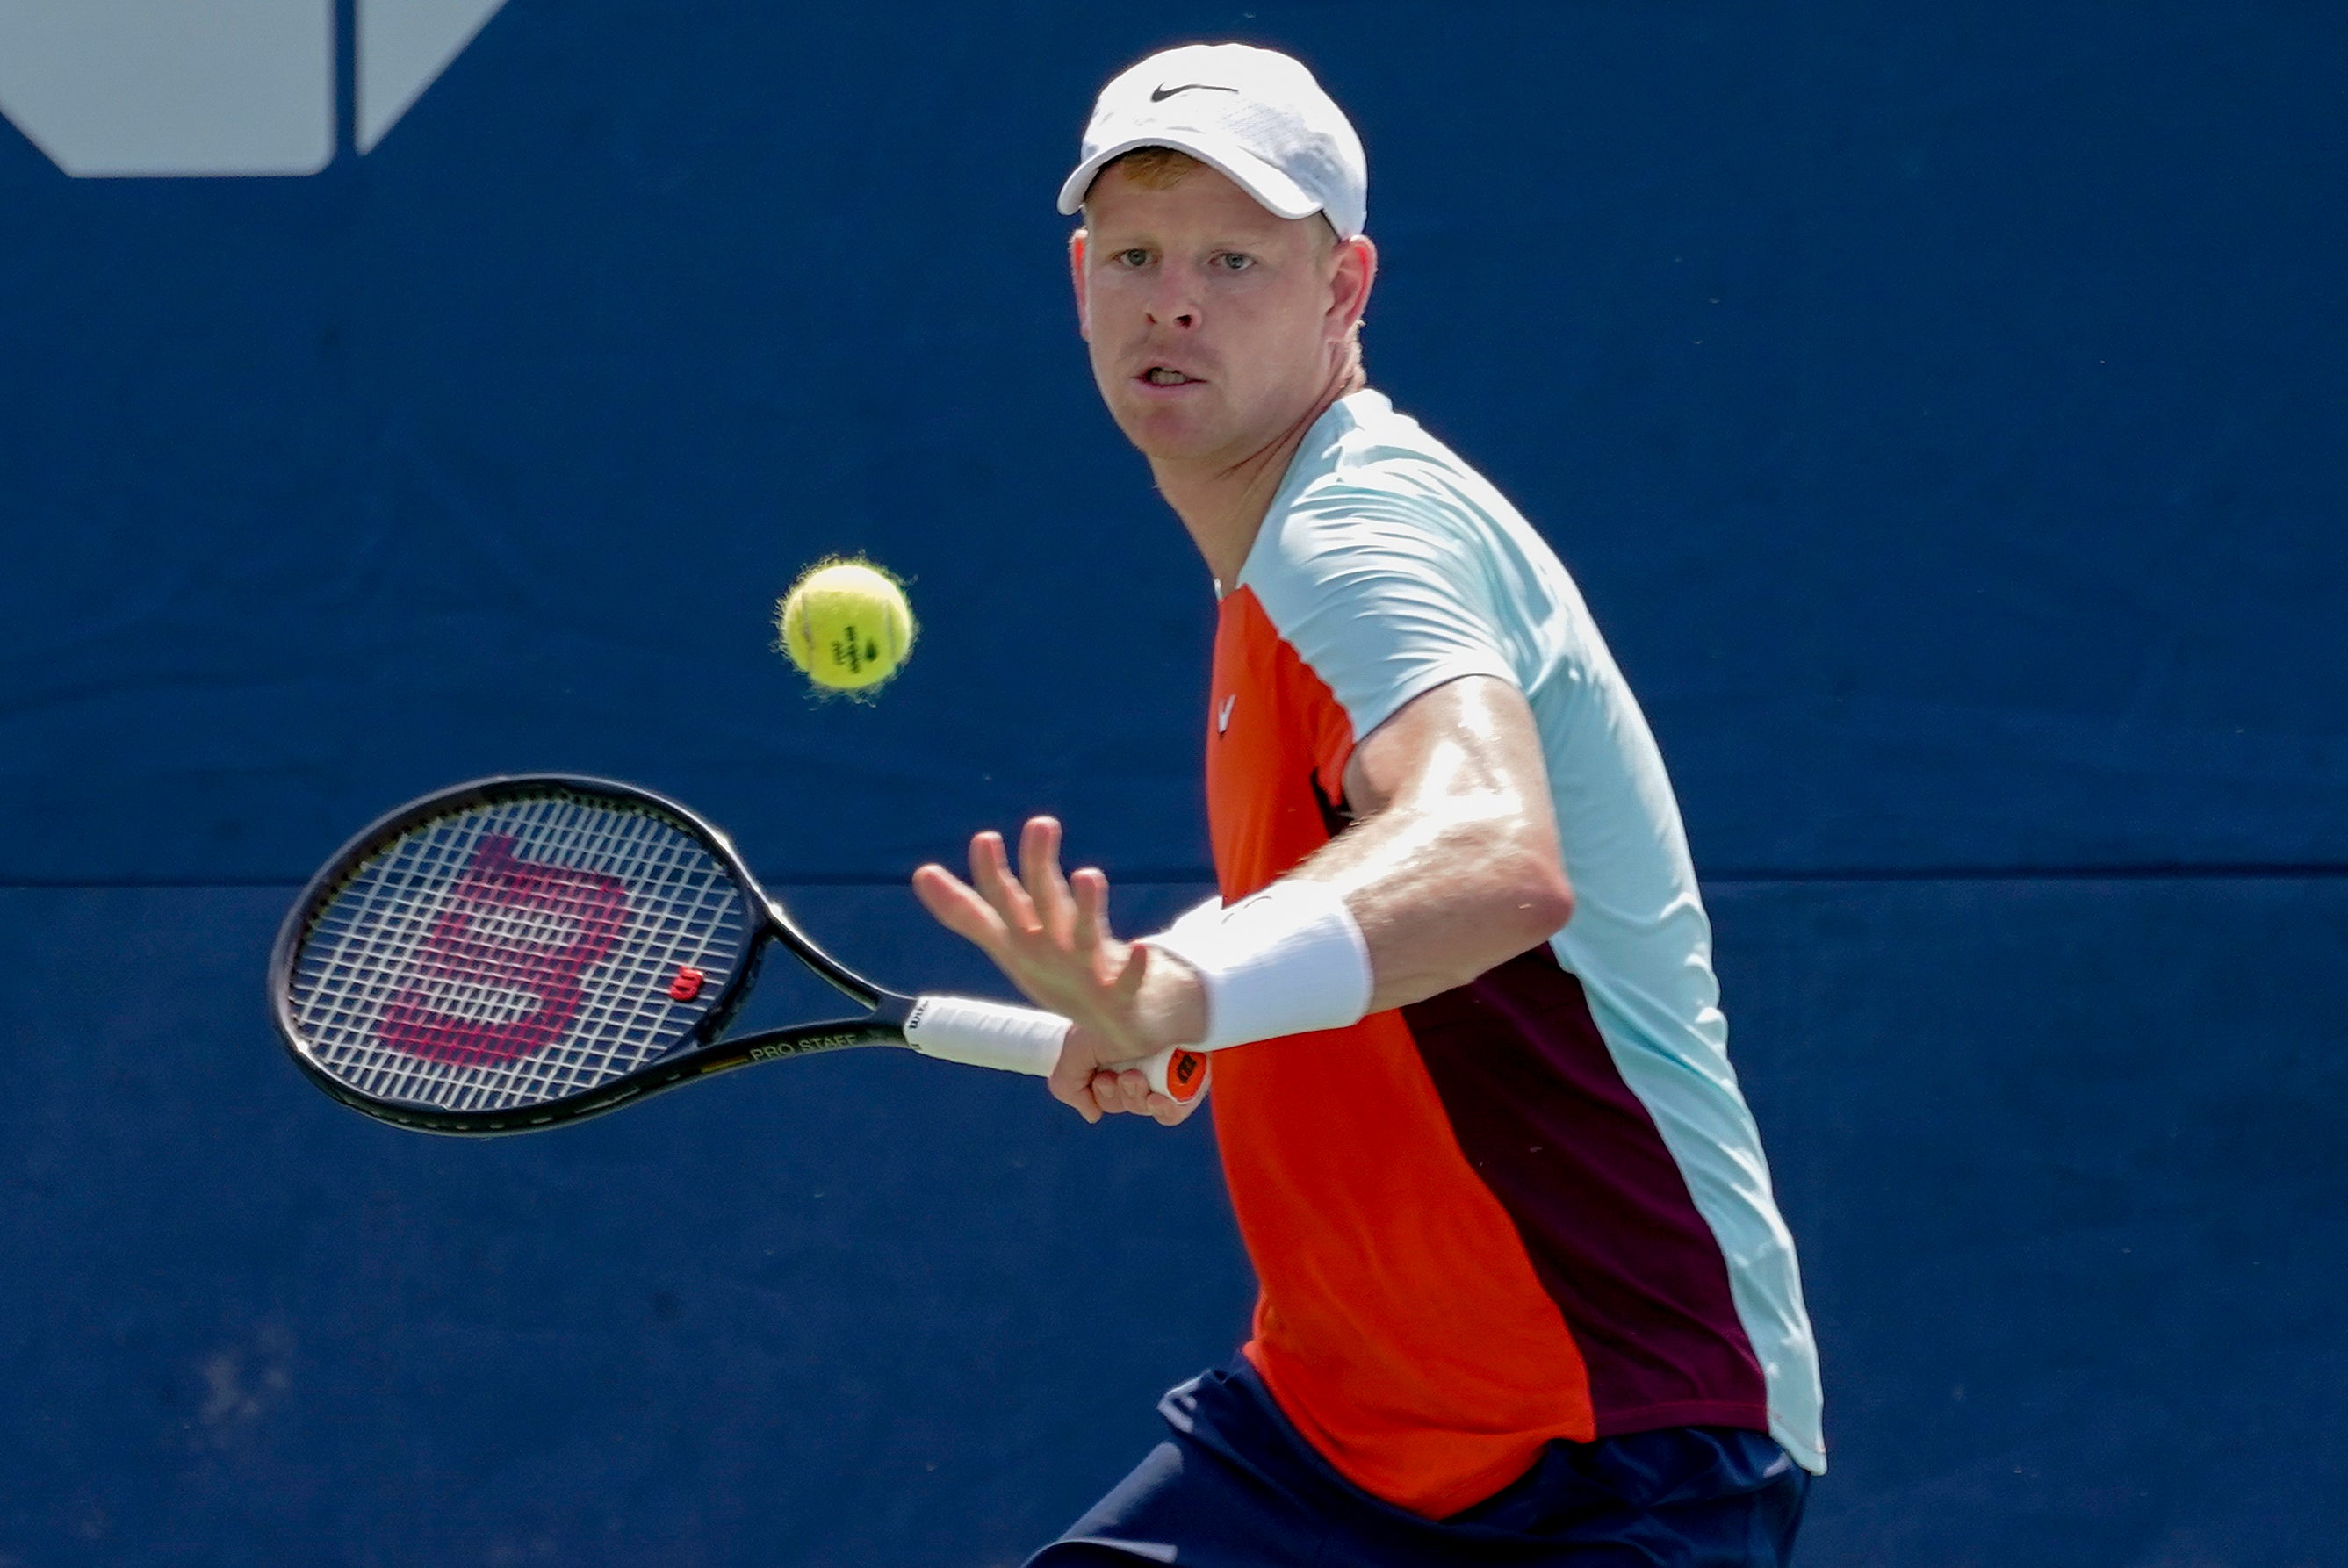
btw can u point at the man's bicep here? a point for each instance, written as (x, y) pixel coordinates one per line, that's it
(1472, 740)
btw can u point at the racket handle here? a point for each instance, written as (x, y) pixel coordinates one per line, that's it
(987, 1034)
(1021, 1040)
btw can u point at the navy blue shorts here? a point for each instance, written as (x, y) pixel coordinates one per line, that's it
(1237, 1487)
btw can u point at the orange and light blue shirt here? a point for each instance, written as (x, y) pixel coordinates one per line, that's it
(1536, 1206)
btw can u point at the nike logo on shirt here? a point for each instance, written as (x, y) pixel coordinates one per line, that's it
(1223, 719)
(1164, 92)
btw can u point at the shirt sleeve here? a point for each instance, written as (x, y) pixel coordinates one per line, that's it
(1383, 591)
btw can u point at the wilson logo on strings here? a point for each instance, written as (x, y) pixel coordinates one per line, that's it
(502, 973)
(125, 89)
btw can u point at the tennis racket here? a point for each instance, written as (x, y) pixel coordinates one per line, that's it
(516, 952)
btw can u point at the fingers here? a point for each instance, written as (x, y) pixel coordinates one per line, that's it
(1090, 890)
(1037, 901)
(958, 908)
(1039, 868)
(1071, 1080)
(990, 874)
(1129, 1094)
(1168, 1112)
(1093, 1092)
(1125, 1092)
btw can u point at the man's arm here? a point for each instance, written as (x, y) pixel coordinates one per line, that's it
(1452, 868)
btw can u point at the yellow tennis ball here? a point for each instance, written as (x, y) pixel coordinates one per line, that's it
(847, 624)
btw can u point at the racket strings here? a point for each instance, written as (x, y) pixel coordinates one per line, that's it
(514, 952)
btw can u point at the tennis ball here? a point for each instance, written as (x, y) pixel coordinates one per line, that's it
(847, 624)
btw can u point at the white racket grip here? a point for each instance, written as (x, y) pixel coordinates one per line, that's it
(1021, 1040)
(987, 1034)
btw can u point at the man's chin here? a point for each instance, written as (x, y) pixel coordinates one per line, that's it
(1168, 434)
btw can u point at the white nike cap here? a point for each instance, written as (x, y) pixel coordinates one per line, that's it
(1257, 115)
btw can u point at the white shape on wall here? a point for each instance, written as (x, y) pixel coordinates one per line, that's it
(160, 87)
(404, 45)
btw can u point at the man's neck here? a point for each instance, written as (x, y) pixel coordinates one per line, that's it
(1223, 501)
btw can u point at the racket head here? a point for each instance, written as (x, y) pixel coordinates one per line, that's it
(517, 951)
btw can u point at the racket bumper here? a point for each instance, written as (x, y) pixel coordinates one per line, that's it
(1179, 1074)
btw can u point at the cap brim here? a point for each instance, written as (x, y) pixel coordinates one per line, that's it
(1278, 194)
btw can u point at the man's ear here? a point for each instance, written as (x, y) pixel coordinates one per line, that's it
(1352, 276)
(1076, 276)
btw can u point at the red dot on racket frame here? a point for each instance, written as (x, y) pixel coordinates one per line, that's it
(687, 985)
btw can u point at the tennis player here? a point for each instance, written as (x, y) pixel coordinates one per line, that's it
(1525, 1294)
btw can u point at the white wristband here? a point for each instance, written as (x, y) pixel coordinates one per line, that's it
(1286, 961)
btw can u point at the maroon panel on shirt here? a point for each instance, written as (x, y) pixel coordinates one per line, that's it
(1546, 1119)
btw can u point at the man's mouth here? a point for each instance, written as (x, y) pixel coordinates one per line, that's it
(1161, 375)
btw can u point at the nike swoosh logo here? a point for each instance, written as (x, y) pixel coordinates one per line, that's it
(1164, 92)
(1223, 719)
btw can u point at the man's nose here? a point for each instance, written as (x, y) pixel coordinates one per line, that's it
(1173, 303)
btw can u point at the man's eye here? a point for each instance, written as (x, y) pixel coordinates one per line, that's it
(1135, 258)
(1232, 262)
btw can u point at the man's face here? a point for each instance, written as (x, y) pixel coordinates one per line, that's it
(1212, 324)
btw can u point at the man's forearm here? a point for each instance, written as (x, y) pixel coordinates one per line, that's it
(1418, 910)
(1454, 866)
(1442, 897)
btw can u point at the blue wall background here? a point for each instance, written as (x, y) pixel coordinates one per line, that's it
(1943, 411)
